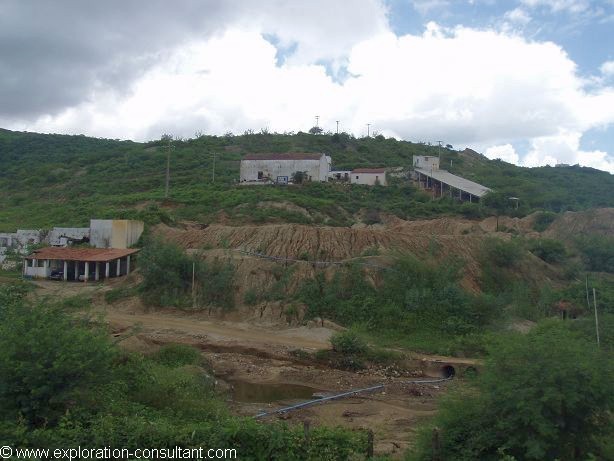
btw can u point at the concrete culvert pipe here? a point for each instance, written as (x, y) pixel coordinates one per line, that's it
(448, 371)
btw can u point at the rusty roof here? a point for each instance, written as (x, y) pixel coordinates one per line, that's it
(286, 156)
(369, 170)
(81, 254)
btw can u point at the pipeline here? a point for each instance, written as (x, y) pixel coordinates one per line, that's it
(350, 393)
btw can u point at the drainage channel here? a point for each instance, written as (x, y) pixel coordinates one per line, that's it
(350, 393)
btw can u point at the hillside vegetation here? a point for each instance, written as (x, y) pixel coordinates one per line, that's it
(65, 180)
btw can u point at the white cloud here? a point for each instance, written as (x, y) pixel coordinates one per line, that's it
(518, 16)
(607, 68)
(465, 86)
(571, 6)
(565, 148)
(505, 152)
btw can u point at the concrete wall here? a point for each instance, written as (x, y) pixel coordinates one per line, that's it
(115, 233)
(40, 269)
(369, 179)
(426, 162)
(271, 169)
(60, 236)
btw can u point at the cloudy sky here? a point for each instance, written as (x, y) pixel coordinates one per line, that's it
(528, 81)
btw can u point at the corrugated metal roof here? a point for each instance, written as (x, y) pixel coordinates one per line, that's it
(369, 170)
(457, 182)
(81, 254)
(286, 156)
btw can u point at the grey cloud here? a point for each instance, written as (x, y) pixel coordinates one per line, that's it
(53, 54)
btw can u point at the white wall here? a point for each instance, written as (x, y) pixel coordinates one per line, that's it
(369, 179)
(115, 233)
(426, 162)
(317, 169)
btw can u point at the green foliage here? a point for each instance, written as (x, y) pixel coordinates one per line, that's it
(63, 385)
(545, 395)
(597, 252)
(47, 362)
(551, 251)
(176, 355)
(543, 220)
(501, 253)
(119, 293)
(417, 303)
(123, 179)
(348, 342)
(167, 277)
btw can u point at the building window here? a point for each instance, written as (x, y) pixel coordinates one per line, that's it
(260, 175)
(356, 177)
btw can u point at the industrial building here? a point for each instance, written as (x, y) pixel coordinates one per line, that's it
(442, 183)
(280, 168)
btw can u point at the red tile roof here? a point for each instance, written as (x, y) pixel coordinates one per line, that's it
(81, 254)
(286, 156)
(369, 170)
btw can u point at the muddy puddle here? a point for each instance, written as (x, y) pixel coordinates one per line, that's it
(248, 392)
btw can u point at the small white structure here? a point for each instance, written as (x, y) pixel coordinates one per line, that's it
(279, 168)
(114, 233)
(426, 162)
(369, 176)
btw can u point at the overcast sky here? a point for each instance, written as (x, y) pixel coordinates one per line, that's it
(528, 81)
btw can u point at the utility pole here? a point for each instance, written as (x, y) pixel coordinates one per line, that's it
(439, 142)
(168, 168)
(337, 126)
(368, 130)
(193, 277)
(213, 179)
(317, 121)
(596, 318)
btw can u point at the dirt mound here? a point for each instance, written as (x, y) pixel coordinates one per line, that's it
(572, 224)
(438, 238)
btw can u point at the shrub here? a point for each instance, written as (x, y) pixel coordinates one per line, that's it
(501, 253)
(551, 251)
(543, 220)
(176, 355)
(597, 252)
(348, 343)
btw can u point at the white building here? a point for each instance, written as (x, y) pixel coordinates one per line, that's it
(426, 162)
(369, 176)
(279, 168)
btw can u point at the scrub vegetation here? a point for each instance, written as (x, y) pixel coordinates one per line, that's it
(49, 180)
(75, 387)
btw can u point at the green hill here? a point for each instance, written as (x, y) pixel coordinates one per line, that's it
(53, 179)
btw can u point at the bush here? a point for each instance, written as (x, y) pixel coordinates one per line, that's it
(543, 395)
(551, 251)
(348, 343)
(501, 253)
(543, 220)
(597, 252)
(176, 355)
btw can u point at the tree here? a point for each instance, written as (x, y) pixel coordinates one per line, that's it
(544, 395)
(498, 202)
(299, 177)
(47, 362)
(315, 130)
